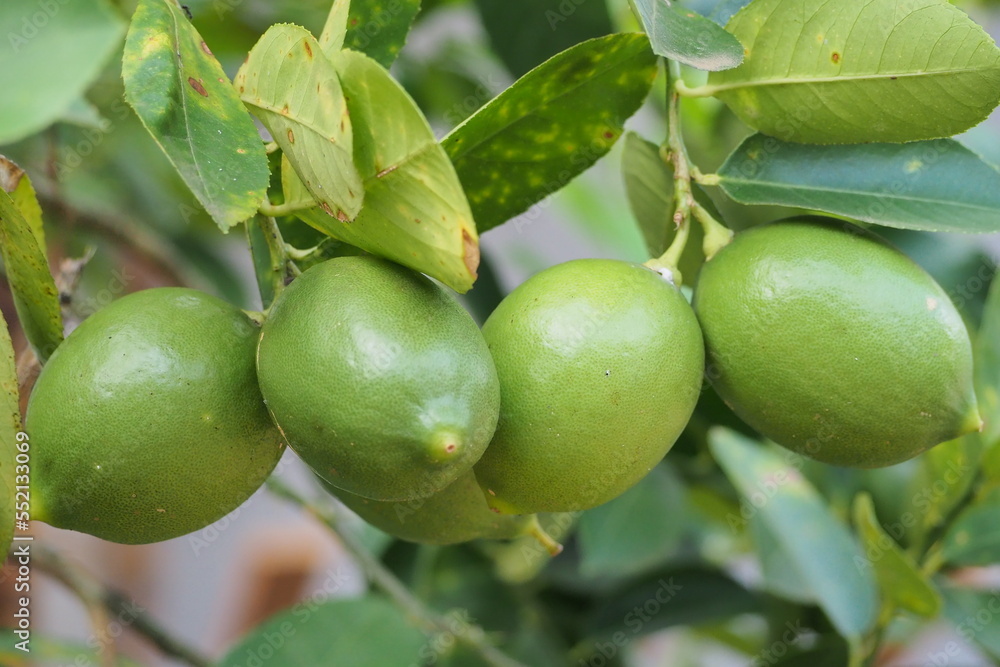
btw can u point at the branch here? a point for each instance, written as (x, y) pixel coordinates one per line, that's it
(101, 601)
(473, 637)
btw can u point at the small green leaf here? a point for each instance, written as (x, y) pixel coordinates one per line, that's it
(261, 256)
(15, 182)
(858, 71)
(360, 632)
(331, 40)
(378, 28)
(987, 369)
(550, 126)
(182, 96)
(415, 211)
(10, 425)
(934, 185)
(526, 32)
(649, 184)
(945, 475)
(48, 58)
(974, 537)
(293, 88)
(639, 529)
(822, 549)
(976, 616)
(686, 36)
(901, 581)
(781, 576)
(35, 295)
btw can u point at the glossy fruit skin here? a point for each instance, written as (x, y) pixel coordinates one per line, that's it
(458, 513)
(834, 344)
(147, 423)
(600, 365)
(378, 378)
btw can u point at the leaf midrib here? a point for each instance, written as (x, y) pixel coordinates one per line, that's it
(789, 186)
(709, 90)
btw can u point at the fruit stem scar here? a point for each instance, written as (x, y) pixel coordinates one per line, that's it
(535, 530)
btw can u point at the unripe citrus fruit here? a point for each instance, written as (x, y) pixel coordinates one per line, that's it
(378, 378)
(147, 423)
(457, 513)
(600, 366)
(831, 342)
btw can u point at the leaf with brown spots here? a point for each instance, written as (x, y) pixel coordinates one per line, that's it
(299, 99)
(550, 126)
(36, 298)
(16, 183)
(415, 211)
(377, 28)
(184, 99)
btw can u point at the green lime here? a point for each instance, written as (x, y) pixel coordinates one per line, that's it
(147, 423)
(832, 343)
(457, 513)
(600, 366)
(378, 378)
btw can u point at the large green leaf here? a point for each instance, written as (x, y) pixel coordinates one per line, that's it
(377, 28)
(182, 96)
(35, 295)
(973, 538)
(415, 212)
(935, 185)
(293, 88)
(550, 126)
(855, 71)
(362, 632)
(635, 531)
(686, 36)
(820, 547)
(526, 32)
(49, 55)
(903, 585)
(10, 426)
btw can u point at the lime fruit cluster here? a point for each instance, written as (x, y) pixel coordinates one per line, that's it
(600, 365)
(147, 422)
(834, 344)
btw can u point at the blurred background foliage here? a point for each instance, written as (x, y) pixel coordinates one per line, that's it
(106, 187)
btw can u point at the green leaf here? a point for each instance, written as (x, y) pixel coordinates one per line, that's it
(10, 426)
(686, 36)
(821, 548)
(261, 256)
(15, 182)
(415, 211)
(550, 126)
(858, 71)
(987, 369)
(182, 96)
(901, 581)
(933, 185)
(676, 596)
(944, 478)
(50, 54)
(526, 32)
(362, 632)
(331, 40)
(639, 529)
(35, 295)
(974, 537)
(976, 616)
(295, 92)
(378, 28)
(781, 576)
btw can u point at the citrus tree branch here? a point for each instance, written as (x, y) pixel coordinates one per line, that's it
(103, 603)
(473, 637)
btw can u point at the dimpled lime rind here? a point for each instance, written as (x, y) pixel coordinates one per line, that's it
(457, 513)
(834, 344)
(378, 378)
(147, 423)
(600, 365)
